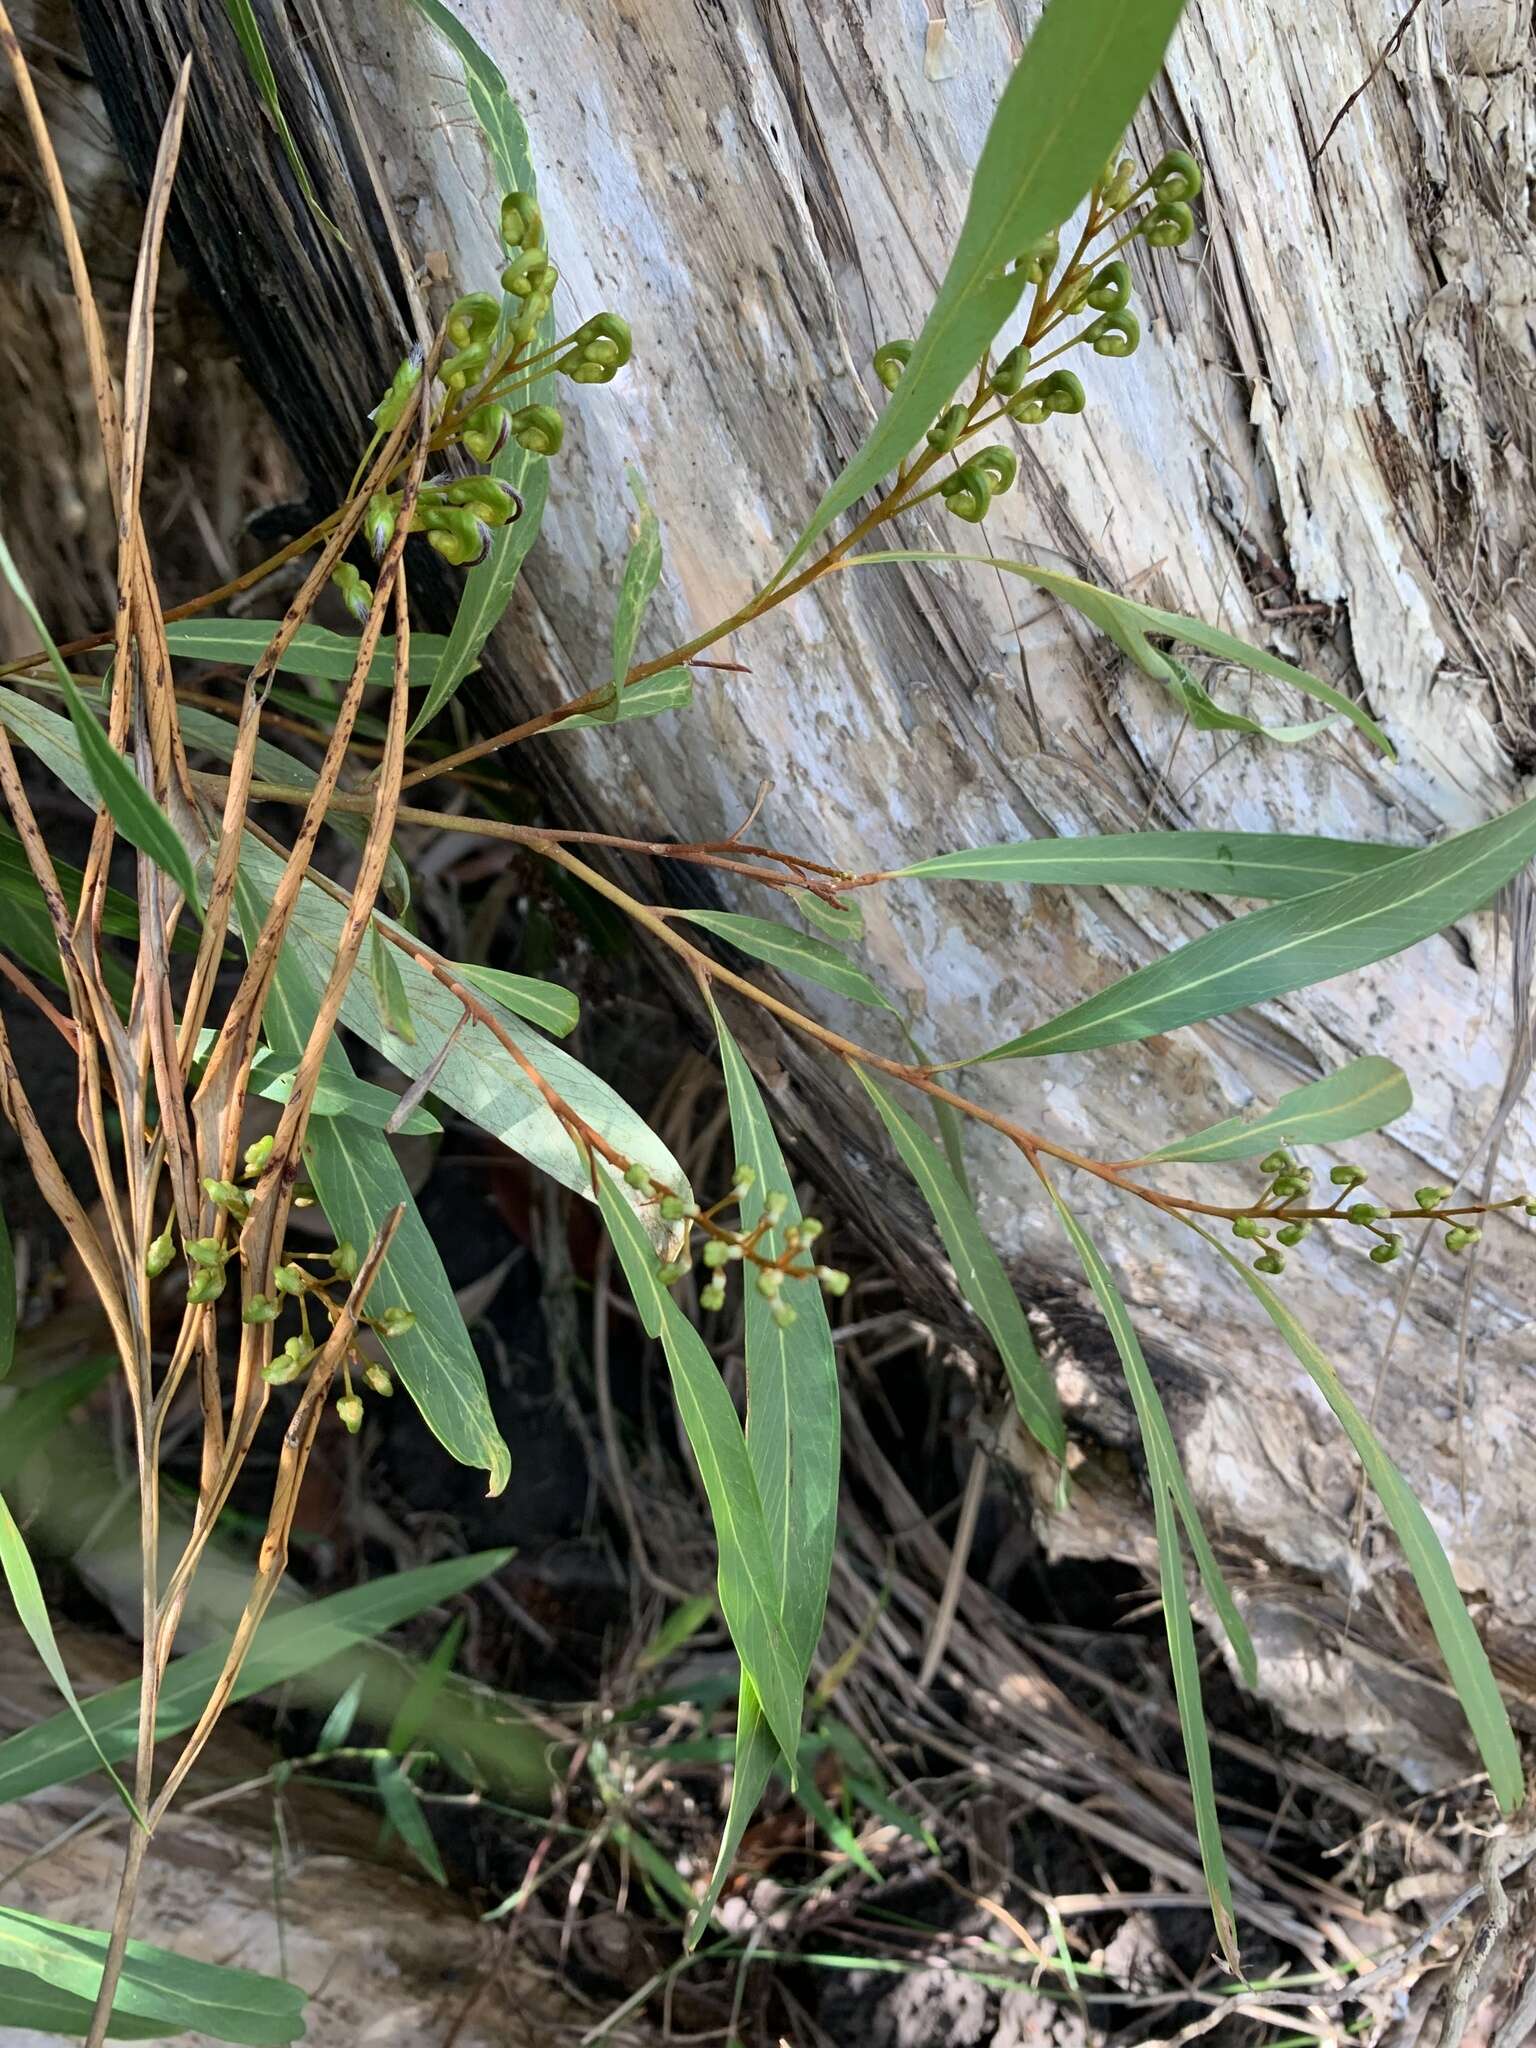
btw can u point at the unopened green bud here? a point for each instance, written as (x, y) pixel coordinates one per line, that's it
(1110, 291)
(947, 428)
(379, 523)
(1249, 1227)
(1275, 1162)
(1292, 1233)
(1364, 1212)
(811, 1228)
(485, 432)
(390, 409)
(671, 1208)
(300, 1349)
(394, 1321)
(283, 1370)
(257, 1155)
(775, 1202)
(1347, 1176)
(376, 1377)
(349, 1410)
(290, 1279)
(1008, 377)
(538, 428)
(1169, 224)
(715, 1253)
(355, 594)
(206, 1284)
(1384, 1254)
(225, 1195)
(1177, 176)
(742, 1178)
(160, 1253)
(891, 358)
(1036, 262)
(1288, 1185)
(834, 1281)
(261, 1309)
(1459, 1236)
(522, 223)
(783, 1314)
(343, 1262)
(1530, 1205)
(206, 1251)
(1269, 1262)
(637, 1176)
(1431, 1198)
(769, 1282)
(713, 1296)
(670, 1273)
(473, 318)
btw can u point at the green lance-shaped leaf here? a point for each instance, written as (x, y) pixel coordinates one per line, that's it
(314, 651)
(36, 1412)
(669, 690)
(794, 1432)
(358, 1182)
(303, 1638)
(384, 973)
(791, 952)
(402, 1809)
(415, 1710)
(842, 923)
(978, 1271)
(642, 572)
(176, 1992)
(18, 884)
(1296, 944)
(1206, 715)
(1273, 866)
(113, 783)
(1465, 1658)
(248, 32)
(544, 1003)
(1128, 623)
(27, 2001)
(488, 588)
(750, 1596)
(32, 1612)
(1172, 1503)
(1360, 1097)
(1072, 94)
(272, 1074)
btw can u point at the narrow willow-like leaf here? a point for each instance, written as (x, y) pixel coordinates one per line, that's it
(307, 1636)
(384, 973)
(544, 1003)
(314, 651)
(670, 690)
(1297, 944)
(248, 32)
(271, 1074)
(32, 1613)
(403, 1811)
(978, 1271)
(222, 2004)
(415, 1710)
(792, 952)
(748, 1579)
(1128, 623)
(1360, 1097)
(1170, 1500)
(1270, 865)
(359, 1182)
(1465, 1658)
(1206, 715)
(27, 2001)
(794, 1438)
(842, 923)
(119, 912)
(642, 572)
(338, 1722)
(35, 1413)
(1072, 94)
(488, 588)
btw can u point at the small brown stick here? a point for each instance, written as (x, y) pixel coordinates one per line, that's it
(29, 988)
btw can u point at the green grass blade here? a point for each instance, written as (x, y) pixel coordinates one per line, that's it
(415, 1710)
(402, 1810)
(1171, 1503)
(545, 1003)
(221, 2003)
(1128, 623)
(314, 651)
(1083, 73)
(1295, 945)
(791, 952)
(1359, 1097)
(32, 1613)
(978, 1271)
(755, 1757)
(304, 1638)
(1465, 1658)
(642, 572)
(1274, 866)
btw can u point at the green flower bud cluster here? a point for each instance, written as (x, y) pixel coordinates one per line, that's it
(457, 518)
(721, 1247)
(599, 349)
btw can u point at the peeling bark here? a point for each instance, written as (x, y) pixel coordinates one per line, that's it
(1325, 444)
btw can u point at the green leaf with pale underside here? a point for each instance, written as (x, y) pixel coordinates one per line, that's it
(791, 952)
(1269, 865)
(1360, 1097)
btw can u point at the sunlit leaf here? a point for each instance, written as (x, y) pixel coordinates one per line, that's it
(841, 923)
(1361, 1096)
(791, 952)
(670, 690)
(543, 1003)
(1270, 865)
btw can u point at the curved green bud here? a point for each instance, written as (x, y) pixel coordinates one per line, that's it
(1063, 392)
(1000, 463)
(602, 348)
(1272, 1262)
(458, 536)
(343, 1262)
(1177, 177)
(1119, 184)
(1040, 258)
(637, 1176)
(466, 368)
(1292, 1233)
(712, 1297)
(474, 318)
(207, 1284)
(1114, 334)
(528, 274)
(522, 223)
(1110, 291)
(376, 1377)
(390, 409)
(349, 1411)
(289, 1279)
(261, 1309)
(379, 522)
(395, 1321)
(1072, 292)
(538, 428)
(1431, 1198)
(1346, 1175)
(891, 358)
(485, 432)
(493, 502)
(526, 325)
(1169, 224)
(283, 1370)
(1008, 377)
(1383, 1254)
(160, 1253)
(947, 428)
(968, 492)
(1459, 1237)
(355, 594)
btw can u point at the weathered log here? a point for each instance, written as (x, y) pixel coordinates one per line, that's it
(1325, 444)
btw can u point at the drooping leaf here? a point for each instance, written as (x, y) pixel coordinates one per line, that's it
(1465, 1658)
(1361, 1096)
(338, 1722)
(642, 572)
(221, 2003)
(1270, 865)
(978, 1271)
(748, 1577)
(248, 32)
(32, 1613)
(304, 1637)
(669, 690)
(792, 952)
(794, 1433)
(488, 588)
(1296, 944)
(1206, 715)
(1072, 94)
(314, 651)
(384, 973)
(1171, 1501)
(36, 1412)
(842, 923)
(1128, 623)
(544, 1003)
(403, 1811)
